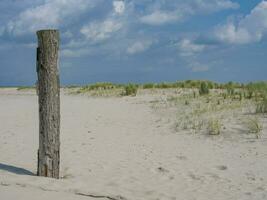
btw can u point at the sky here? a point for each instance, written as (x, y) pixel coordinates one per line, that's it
(137, 40)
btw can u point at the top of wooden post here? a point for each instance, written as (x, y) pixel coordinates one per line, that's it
(47, 30)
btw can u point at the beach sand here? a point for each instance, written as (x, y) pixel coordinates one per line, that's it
(121, 148)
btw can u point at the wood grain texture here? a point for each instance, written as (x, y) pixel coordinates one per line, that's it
(49, 103)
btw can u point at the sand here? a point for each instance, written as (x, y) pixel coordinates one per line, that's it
(122, 148)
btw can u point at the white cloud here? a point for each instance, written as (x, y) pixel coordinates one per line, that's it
(188, 48)
(229, 33)
(74, 53)
(76, 43)
(179, 10)
(213, 5)
(249, 29)
(119, 6)
(98, 31)
(160, 17)
(51, 14)
(67, 34)
(138, 47)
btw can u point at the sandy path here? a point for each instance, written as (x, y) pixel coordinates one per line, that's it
(118, 147)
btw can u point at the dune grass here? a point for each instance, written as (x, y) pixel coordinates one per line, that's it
(109, 89)
(214, 126)
(254, 126)
(21, 88)
(201, 105)
(250, 90)
(210, 110)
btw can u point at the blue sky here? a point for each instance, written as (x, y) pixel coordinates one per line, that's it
(137, 41)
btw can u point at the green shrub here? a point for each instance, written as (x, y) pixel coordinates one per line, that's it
(99, 86)
(148, 86)
(210, 85)
(131, 90)
(257, 89)
(230, 87)
(261, 106)
(204, 89)
(214, 127)
(254, 126)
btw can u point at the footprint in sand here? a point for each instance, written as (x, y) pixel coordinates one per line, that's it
(4, 184)
(195, 177)
(250, 176)
(213, 176)
(261, 188)
(248, 193)
(21, 184)
(180, 157)
(222, 167)
(164, 172)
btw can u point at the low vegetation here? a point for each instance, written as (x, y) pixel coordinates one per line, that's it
(254, 126)
(99, 86)
(204, 88)
(214, 127)
(210, 110)
(130, 90)
(262, 106)
(256, 90)
(109, 89)
(25, 88)
(202, 106)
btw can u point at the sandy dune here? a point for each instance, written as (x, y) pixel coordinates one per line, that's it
(120, 148)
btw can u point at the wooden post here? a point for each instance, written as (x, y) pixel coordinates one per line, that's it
(48, 88)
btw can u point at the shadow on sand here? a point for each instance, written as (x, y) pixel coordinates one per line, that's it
(15, 170)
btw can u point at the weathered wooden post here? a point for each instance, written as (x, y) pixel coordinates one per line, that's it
(48, 88)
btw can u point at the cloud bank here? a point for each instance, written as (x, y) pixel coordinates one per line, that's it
(249, 29)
